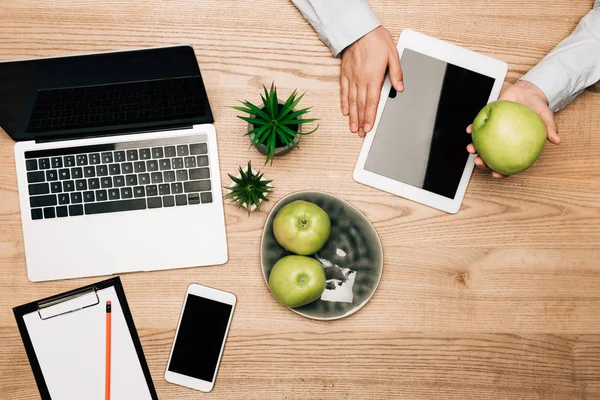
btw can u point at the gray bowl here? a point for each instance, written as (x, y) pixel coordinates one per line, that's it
(353, 244)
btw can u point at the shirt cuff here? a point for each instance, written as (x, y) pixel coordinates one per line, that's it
(352, 24)
(554, 82)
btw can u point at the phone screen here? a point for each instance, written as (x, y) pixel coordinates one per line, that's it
(200, 338)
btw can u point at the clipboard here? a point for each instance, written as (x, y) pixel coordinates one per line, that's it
(64, 337)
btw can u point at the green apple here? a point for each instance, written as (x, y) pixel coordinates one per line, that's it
(508, 136)
(302, 227)
(297, 280)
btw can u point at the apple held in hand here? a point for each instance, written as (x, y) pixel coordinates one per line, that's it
(508, 136)
(302, 227)
(297, 280)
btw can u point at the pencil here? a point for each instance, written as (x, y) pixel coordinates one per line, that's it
(108, 344)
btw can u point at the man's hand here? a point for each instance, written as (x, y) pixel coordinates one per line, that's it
(531, 96)
(363, 69)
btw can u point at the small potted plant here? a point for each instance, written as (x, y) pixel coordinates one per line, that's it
(248, 189)
(275, 127)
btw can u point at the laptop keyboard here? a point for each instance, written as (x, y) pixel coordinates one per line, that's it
(118, 104)
(107, 178)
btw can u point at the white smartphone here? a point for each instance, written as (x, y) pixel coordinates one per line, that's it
(200, 337)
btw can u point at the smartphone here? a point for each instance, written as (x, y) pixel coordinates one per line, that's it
(200, 337)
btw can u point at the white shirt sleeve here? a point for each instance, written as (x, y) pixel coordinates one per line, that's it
(573, 65)
(338, 23)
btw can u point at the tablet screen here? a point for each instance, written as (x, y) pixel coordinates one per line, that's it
(421, 139)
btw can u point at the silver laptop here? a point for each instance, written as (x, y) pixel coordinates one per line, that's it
(117, 163)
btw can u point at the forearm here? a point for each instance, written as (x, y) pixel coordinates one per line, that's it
(573, 65)
(338, 23)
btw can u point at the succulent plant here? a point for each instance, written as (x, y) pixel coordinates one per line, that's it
(249, 189)
(275, 125)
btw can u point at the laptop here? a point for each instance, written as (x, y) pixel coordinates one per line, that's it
(117, 162)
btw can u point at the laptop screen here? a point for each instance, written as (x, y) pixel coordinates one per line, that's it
(50, 97)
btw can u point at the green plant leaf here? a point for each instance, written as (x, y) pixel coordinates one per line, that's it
(311, 132)
(295, 114)
(267, 101)
(253, 121)
(299, 121)
(242, 109)
(274, 100)
(256, 111)
(290, 106)
(289, 131)
(263, 135)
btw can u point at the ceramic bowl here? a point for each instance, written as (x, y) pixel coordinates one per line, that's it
(353, 245)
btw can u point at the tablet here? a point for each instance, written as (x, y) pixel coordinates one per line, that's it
(417, 148)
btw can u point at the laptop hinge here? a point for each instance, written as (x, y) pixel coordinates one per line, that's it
(114, 133)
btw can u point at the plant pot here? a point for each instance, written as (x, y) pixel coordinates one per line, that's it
(260, 201)
(279, 150)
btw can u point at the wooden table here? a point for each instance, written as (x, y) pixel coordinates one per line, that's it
(501, 301)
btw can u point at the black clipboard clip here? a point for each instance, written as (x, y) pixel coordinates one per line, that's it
(78, 294)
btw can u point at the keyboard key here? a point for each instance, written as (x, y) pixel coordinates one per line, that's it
(42, 201)
(49, 212)
(76, 197)
(44, 163)
(68, 186)
(144, 179)
(56, 162)
(151, 190)
(106, 182)
(31, 165)
(177, 163)
(157, 152)
(126, 193)
(196, 186)
(63, 198)
(119, 156)
(88, 197)
(199, 173)
(115, 206)
(189, 162)
(107, 158)
(181, 200)
(69, 161)
(64, 174)
(168, 201)
(182, 150)
(34, 177)
(81, 184)
(193, 198)
(62, 211)
(56, 187)
(164, 189)
(202, 161)
(119, 181)
(52, 175)
(114, 169)
(156, 177)
(145, 154)
(127, 168)
(89, 172)
(75, 210)
(102, 170)
(82, 159)
(132, 155)
(182, 175)
(169, 176)
(176, 188)
(152, 165)
(39, 188)
(165, 164)
(139, 191)
(76, 173)
(154, 202)
(206, 197)
(113, 194)
(94, 158)
(198, 148)
(170, 151)
(94, 183)
(101, 195)
(131, 180)
(37, 213)
(139, 166)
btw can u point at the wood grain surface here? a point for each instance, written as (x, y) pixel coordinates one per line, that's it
(501, 301)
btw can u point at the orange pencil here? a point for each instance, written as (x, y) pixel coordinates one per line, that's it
(108, 343)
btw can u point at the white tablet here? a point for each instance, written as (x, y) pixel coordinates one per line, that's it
(417, 148)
